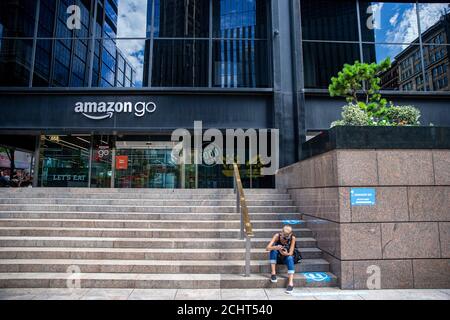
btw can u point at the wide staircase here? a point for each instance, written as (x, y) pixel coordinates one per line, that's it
(110, 238)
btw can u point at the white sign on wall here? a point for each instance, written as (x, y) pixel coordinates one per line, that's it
(106, 110)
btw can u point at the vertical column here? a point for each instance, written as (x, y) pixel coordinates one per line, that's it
(299, 77)
(33, 52)
(91, 154)
(283, 84)
(37, 154)
(152, 36)
(210, 45)
(113, 167)
(92, 44)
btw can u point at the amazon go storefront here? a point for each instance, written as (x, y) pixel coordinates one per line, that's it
(123, 139)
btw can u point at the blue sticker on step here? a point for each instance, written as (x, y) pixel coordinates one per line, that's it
(292, 222)
(317, 277)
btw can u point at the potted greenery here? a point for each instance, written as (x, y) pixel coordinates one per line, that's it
(359, 84)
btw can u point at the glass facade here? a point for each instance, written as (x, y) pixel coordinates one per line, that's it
(39, 49)
(151, 43)
(412, 34)
(103, 161)
(216, 43)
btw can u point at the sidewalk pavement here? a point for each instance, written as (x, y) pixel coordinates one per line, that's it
(222, 294)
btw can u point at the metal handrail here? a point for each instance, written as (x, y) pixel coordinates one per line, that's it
(246, 225)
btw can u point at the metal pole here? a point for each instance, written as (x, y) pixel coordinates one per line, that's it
(248, 246)
(422, 57)
(242, 225)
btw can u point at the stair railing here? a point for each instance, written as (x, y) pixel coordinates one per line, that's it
(246, 225)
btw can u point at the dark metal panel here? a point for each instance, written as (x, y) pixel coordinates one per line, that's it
(57, 111)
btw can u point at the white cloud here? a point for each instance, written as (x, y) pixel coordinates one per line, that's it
(406, 27)
(132, 21)
(430, 14)
(394, 19)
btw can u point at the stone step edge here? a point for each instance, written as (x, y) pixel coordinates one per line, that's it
(140, 213)
(138, 250)
(147, 229)
(112, 262)
(8, 238)
(155, 276)
(137, 221)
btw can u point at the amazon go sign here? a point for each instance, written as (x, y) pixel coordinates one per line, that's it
(106, 110)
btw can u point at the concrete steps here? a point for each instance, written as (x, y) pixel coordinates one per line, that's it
(140, 254)
(160, 281)
(126, 216)
(143, 209)
(153, 266)
(161, 243)
(145, 224)
(142, 202)
(145, 239)
(139, 233)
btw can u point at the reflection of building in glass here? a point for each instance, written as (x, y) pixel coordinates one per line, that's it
(330, 34)
(183, 43)
(237, 56)
(181, 62)
(389, 79)
(62, 55)
(408, 64)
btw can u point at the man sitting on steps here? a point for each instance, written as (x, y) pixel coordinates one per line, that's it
(283, 249)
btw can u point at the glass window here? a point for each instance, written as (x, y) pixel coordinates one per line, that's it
(181, 19)
(435, 22)
(132, 53)
(405, 73)
(240, 19)
(240, 63)
(180, 63)
(64, 161)
(42, 64)
(389, 22)
(437, 67)
(322, 61)
(17, 19)
(329, 20)
(15, 62)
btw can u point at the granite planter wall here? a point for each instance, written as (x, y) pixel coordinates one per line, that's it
(406, 234)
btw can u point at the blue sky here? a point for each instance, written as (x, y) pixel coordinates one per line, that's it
(397, 23)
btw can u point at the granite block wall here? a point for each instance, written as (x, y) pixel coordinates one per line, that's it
(406, 234)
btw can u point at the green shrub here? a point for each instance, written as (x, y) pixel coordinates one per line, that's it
(360, 85)
(404, 115)
(353, 115)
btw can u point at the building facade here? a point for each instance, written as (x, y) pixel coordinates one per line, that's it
(161, 65)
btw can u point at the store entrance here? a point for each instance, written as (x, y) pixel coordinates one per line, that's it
(146, 165)
(121, 161)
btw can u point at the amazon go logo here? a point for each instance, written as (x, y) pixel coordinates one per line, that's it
(106, 110)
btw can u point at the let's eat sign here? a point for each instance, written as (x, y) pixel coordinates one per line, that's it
(363, 197)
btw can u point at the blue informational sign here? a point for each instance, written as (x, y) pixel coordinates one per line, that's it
(363, 197)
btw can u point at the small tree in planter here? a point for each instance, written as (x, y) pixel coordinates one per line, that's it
(360, 85)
